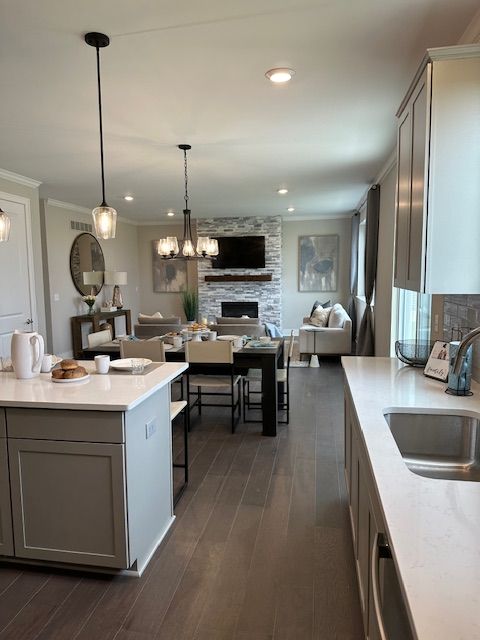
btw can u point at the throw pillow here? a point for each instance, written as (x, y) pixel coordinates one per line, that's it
(317, 303)
(320, 316)
(337, 317)
(157, 314)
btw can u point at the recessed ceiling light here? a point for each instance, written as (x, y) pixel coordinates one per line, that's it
(129, 198)
(282, 191)
(291, 209)
(171, 213)
(280, 75)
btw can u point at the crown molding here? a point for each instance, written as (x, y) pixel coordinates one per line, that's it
(319, 218)
(384, 171)
(19, 179)
(79, 209)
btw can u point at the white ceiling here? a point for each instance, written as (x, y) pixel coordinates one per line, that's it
(193, 71)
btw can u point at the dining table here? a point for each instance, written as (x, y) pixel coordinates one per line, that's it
(268, 357)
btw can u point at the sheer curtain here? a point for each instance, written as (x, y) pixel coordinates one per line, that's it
(366, 338)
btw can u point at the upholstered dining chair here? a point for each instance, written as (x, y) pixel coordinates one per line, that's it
(255, 376)
(154, 350)
(215, 361)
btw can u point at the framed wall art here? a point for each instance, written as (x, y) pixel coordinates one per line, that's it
(318, 263)
(169, 276)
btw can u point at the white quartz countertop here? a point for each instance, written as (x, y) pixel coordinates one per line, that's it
(109, 392)
(433, 525)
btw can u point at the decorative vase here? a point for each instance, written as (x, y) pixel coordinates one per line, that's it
(91, 308)
(117, 297)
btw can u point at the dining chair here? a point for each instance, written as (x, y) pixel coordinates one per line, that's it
(215, 361)
(151, 349)
(155, 351)
(97, 338)
(255, 376)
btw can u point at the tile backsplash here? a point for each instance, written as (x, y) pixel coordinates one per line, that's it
(462, 313)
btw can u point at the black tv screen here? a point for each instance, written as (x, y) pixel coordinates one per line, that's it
(240, 252)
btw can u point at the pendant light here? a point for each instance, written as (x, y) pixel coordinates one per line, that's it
(4, 226)
(104, 217)
(170, 248)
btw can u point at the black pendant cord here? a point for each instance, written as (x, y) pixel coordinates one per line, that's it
(187, 228)
(104, 204)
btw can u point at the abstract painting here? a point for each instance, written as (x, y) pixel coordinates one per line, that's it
(169, 276)
(318, 263)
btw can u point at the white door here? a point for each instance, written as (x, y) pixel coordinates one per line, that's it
(17, 284)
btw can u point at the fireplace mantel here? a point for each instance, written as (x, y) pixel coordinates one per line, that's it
(262, 277)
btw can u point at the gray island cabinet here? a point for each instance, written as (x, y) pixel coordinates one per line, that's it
(82, 485)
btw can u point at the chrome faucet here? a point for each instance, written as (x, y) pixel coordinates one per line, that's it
(460, 365)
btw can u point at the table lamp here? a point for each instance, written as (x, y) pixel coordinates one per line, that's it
(116, 278)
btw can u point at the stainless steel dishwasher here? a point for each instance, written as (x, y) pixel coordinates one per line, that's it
(390, 611)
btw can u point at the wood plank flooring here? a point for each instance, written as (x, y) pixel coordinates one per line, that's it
(260, 550)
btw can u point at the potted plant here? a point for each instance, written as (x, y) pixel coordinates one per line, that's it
(190, 304)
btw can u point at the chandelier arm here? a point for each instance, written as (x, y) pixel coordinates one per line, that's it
(104, 204)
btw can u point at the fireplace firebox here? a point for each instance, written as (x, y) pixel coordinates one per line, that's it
(239, 309)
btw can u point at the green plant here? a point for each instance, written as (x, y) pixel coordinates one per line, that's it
(190, 304)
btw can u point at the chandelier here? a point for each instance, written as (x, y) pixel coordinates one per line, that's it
(4, 226)
(170, 248)
(104, 217)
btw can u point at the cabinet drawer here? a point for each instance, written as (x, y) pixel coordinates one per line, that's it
(68, 502)
(62, 424)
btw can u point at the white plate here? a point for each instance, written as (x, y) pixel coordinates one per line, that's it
(228, 337)
(67, 380)
(126, 363)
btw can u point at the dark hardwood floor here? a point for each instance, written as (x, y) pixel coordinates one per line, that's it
(261, 548)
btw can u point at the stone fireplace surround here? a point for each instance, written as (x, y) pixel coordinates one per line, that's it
(268, 294)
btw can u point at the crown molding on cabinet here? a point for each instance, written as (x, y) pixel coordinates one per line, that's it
(19, 179)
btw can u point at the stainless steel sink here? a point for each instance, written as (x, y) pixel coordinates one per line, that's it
(438, 445)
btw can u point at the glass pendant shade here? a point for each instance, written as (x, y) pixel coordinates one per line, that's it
(173, 244)
(4, 226)
(188, 249)
(105, 221)
(212, 247)
(202, 245)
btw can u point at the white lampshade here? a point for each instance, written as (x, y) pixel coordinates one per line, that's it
(93, 278)
(115, 277)
(105, 221)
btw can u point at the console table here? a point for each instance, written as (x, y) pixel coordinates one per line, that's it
(95, 319)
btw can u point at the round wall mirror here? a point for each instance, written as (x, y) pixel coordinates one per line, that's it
(87, 264)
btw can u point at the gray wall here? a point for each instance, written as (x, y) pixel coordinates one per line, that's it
(32, 195)
(169, 304)
(121, 254)
(297, 304)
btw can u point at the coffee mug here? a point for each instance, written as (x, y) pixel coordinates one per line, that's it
(102, 364)
(177, 341)
(239, 342)
(47, 363)
(212, 335)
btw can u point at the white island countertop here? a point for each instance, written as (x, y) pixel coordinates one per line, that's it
(109, 392)
(433, 525)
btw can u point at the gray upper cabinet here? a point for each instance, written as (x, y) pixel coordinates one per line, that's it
(438, 175)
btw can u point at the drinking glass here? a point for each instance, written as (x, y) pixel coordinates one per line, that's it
(138, 365)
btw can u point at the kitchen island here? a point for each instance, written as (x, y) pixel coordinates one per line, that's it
(86, 468)
(432, 524)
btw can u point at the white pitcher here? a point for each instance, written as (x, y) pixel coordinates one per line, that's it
(27, 353)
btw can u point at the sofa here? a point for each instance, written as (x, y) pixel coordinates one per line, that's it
(151, 326)
(238, 327)
(333, 339)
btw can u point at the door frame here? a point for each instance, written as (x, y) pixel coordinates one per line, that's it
(25, 202)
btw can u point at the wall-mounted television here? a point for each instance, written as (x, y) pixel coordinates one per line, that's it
(240, 252)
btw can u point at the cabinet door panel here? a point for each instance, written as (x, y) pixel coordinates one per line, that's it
(348, 445)
(6, 537)
(68, 501)
(418, 218)
(363, 542)
(404, 187)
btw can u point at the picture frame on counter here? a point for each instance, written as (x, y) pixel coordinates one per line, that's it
(438, 361)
